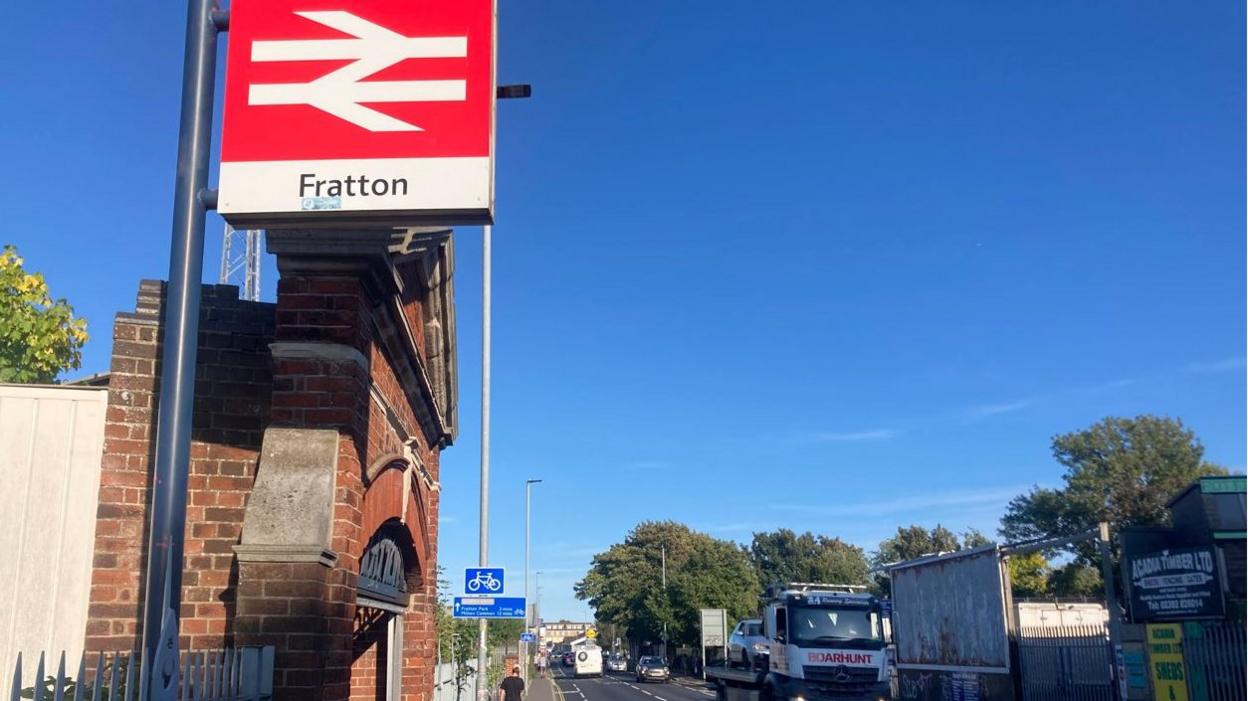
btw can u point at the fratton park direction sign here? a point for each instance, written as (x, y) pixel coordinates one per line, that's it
(358, 111)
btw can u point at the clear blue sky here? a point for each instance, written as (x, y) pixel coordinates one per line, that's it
(821, 265)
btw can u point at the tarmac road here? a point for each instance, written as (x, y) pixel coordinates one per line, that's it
(622, 686)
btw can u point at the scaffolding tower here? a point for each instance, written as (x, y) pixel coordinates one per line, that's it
(240, 261)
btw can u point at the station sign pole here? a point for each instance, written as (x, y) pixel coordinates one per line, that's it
(162, 595)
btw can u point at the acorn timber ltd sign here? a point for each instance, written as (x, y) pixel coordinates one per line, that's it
(356, 111)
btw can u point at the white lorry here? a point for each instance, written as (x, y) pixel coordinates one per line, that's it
(826, 644)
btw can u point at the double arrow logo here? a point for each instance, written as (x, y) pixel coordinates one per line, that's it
(374, 48)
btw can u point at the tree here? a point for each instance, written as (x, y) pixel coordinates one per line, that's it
(916, 541)
(1119, 470)
(457, 639)
(504, 633)
(783, 556)
(1077, 580)
(973, 538)
(624, 584)
(1029, 575)
(39, 337)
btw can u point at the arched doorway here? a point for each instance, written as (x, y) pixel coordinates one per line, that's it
(387, 569)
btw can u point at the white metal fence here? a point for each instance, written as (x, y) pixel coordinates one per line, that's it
(1066, 663)
(236, 674)
(446, 687)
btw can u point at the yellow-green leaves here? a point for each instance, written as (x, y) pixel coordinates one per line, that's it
(39, 336)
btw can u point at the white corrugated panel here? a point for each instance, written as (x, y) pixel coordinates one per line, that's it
(51, 441)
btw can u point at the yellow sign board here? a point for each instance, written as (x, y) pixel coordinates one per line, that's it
(591, 633)
(1165, 661)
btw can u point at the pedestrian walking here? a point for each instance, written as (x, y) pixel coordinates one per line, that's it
(512, 688)
(541, 666)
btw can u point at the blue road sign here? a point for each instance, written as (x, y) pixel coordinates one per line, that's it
(528, 638)
(483, 580)
(488, 607)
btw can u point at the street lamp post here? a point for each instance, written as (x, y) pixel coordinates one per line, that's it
(501, 92)
(663, 565)
(528, 502)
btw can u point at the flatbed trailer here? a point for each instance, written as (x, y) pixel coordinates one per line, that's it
(736, 684)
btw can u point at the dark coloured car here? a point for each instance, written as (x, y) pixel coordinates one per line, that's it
(652, 669)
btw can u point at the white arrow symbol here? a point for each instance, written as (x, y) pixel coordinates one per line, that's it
(340, 92)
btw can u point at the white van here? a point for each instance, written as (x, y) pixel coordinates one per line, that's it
(587, 661)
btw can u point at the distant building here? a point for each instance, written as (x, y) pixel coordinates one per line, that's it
(1212, 510)
(559, 632)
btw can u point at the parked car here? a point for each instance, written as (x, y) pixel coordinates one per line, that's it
(652, 669)
(747, 646)
(617, 664)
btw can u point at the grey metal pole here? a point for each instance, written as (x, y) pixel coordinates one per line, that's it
(528, 502)
(663, 555)
(1111, 602)
(483, 690)
(162, 595)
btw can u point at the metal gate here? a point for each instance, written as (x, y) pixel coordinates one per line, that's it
(1066, 663)
(1214, 657)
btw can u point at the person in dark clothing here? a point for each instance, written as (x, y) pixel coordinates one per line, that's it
(512, 688)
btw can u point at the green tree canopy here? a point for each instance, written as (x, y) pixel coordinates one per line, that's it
(1076, 580)
(39, 337)
(1119, 470)
(784, 556)
(624, 584)
(916, 541)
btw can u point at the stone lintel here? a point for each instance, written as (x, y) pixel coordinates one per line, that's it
(317, 350)
(285, 553)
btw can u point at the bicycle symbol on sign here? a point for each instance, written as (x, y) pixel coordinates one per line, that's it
(485, 581)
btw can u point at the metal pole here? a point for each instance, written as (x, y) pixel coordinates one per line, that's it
(524, 648)
(483, 691)
(162, 595)
(1111, 603)
(663, 563)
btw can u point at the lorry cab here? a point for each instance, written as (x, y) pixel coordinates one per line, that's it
(826, 640)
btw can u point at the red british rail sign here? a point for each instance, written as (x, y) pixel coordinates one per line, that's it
(356, 111)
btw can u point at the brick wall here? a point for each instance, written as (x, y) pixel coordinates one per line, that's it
(232, 391)
(353, 364)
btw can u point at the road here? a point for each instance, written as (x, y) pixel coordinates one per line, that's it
(624, 687)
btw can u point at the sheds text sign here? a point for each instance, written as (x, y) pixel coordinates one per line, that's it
(358, 110)
(1175, 584)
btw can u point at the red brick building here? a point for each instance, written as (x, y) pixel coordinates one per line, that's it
(312, 518)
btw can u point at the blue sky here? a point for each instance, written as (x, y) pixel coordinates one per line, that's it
(833, 266)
